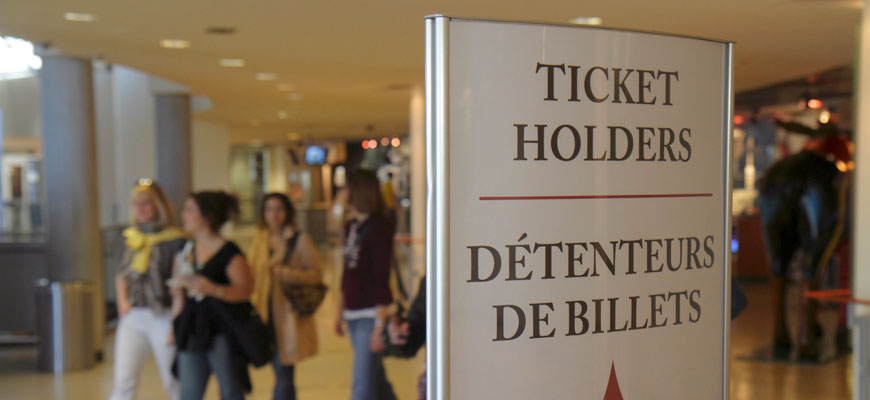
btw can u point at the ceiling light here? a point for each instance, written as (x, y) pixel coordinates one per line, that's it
(814, 104)
(295, 96)
(79, 17)
(385, 141)
(396, 142)
(175, 43)
(266, 76)
(17, 59)
(365, 144)
(285, 87)
(231, 62)
(373, 144)
(283, 114)
(586, 20)
(738, 120)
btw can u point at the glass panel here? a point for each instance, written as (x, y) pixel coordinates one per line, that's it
(22, 210)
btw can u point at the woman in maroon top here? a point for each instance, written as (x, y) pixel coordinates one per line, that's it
(365, 286)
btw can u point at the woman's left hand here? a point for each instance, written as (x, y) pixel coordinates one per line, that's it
(204, 286)
(376, 344)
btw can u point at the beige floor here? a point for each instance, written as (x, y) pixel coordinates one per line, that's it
(327, 376)
(767, 380)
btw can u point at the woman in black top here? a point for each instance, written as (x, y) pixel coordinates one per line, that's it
(211, 276)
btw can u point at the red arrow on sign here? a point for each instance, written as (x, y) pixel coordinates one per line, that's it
(613, 392)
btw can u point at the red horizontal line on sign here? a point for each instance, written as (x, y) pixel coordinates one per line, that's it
(600, 196)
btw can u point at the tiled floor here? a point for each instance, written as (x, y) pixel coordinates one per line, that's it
(327, 376)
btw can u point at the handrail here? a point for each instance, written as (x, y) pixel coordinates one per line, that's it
(836, 296)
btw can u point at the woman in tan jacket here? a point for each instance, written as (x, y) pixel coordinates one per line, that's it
(281, 255)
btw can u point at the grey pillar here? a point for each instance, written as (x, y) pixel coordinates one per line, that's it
(70, 162)
(173, 146)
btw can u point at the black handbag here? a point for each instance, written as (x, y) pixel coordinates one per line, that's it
(396, 350)
(305, 297)
(251, 335)
(391, 349)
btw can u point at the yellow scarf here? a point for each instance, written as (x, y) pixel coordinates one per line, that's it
(142, 243)
(261, 266)
(261, 263)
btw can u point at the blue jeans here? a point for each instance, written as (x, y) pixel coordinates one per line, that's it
(194, 369)
(369, 377)
(285, 388)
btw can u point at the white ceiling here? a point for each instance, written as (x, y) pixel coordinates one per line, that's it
(353, 61)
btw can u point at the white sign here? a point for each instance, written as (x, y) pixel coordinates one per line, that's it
(579, 236)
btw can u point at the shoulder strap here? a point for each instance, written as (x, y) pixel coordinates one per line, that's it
(291, 248)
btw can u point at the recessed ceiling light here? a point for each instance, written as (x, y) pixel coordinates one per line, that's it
(175, 43)
(231, 62)
(295, 96)
(266, 76)
(79, 17)
(285, 87)
(586, 20)
(283, 114)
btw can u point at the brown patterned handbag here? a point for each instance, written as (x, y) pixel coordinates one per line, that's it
(305, 297)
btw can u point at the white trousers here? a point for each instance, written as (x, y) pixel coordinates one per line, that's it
(139, 331)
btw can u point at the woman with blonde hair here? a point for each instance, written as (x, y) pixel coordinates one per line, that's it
(144, 300)
(281, 255)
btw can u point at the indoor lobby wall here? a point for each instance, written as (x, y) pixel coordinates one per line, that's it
(20, 97)
(134, 133)
(210, 155)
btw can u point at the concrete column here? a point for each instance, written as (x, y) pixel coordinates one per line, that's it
(70, 156)
(173, 146)
(417, 136)
(861, 222)
(69, 148)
